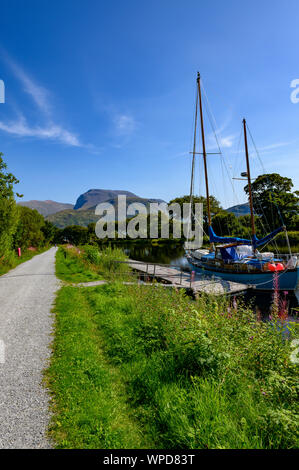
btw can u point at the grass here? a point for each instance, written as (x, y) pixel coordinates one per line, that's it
(88, 263)
(137, 366)
(70, 266)
(91, 409)
(15, 260)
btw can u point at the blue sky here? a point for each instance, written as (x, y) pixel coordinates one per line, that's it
(101, 94)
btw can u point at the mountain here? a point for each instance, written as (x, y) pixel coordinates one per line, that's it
(240, 209)
(83, 213)
(93, 197)
(71, 217)
(84, 217)
(46, 207)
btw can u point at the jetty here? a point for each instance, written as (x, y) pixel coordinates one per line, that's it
(178, 277)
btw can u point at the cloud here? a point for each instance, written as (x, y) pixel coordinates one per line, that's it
(274, 146)
(21, 129)
(38, 93)
(224, 141)
(40, 96)
(124, 124)
(227, 142)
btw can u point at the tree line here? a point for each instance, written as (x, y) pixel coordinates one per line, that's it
(20, 227)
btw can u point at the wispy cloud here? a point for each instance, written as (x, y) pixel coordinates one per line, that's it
(124, 124)
(224, 141)
(39, 94)
(274, 146)
(227, 142)
(22, 129)
(41, 97)
(266, 149)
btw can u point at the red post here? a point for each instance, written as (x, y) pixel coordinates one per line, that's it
(19, 252)
(192, 275)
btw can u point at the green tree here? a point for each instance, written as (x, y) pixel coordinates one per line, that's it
(273, 193)
(8, 211)
(226, 223)
(74, 234)
(50, 231)
(214, 206)
(29, 230)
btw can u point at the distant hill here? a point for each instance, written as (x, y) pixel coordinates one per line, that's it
(240, 209)
(46, 207)
(93, 197)
(71, 217)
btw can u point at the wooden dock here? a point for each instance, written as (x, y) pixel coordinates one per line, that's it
(179, 278)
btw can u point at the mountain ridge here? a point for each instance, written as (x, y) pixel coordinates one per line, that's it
(46, 207)
(239, 209)
(93, 197)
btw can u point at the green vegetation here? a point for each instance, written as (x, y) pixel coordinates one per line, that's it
(29, 228)
(88, 263)
(8, 213)
(70, 267)
(273, 198)
(281, 243)
(20, 227)
(90, 399)
(68, 217)
(139, 366)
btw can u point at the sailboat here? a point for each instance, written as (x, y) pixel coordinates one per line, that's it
(234, 258)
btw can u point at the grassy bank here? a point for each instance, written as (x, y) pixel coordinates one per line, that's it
(137, 366)
(88, 263)
(15, 260)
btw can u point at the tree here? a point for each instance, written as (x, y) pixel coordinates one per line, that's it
(8, 211)
(50, 231)
(273, 193)
(29, 231)
(215, 206)
(226, 223)
(74, 234)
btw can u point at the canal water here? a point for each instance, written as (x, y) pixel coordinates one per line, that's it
(173, 253)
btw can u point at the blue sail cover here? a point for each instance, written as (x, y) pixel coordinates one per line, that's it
(243, 241)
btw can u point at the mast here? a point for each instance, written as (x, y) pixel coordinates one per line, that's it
(204, 151)
(193, 165)
(194, 152)
(249, 181)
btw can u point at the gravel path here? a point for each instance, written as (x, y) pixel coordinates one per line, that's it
(26, 297)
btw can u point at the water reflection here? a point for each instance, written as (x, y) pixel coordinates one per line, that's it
(166, 253)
